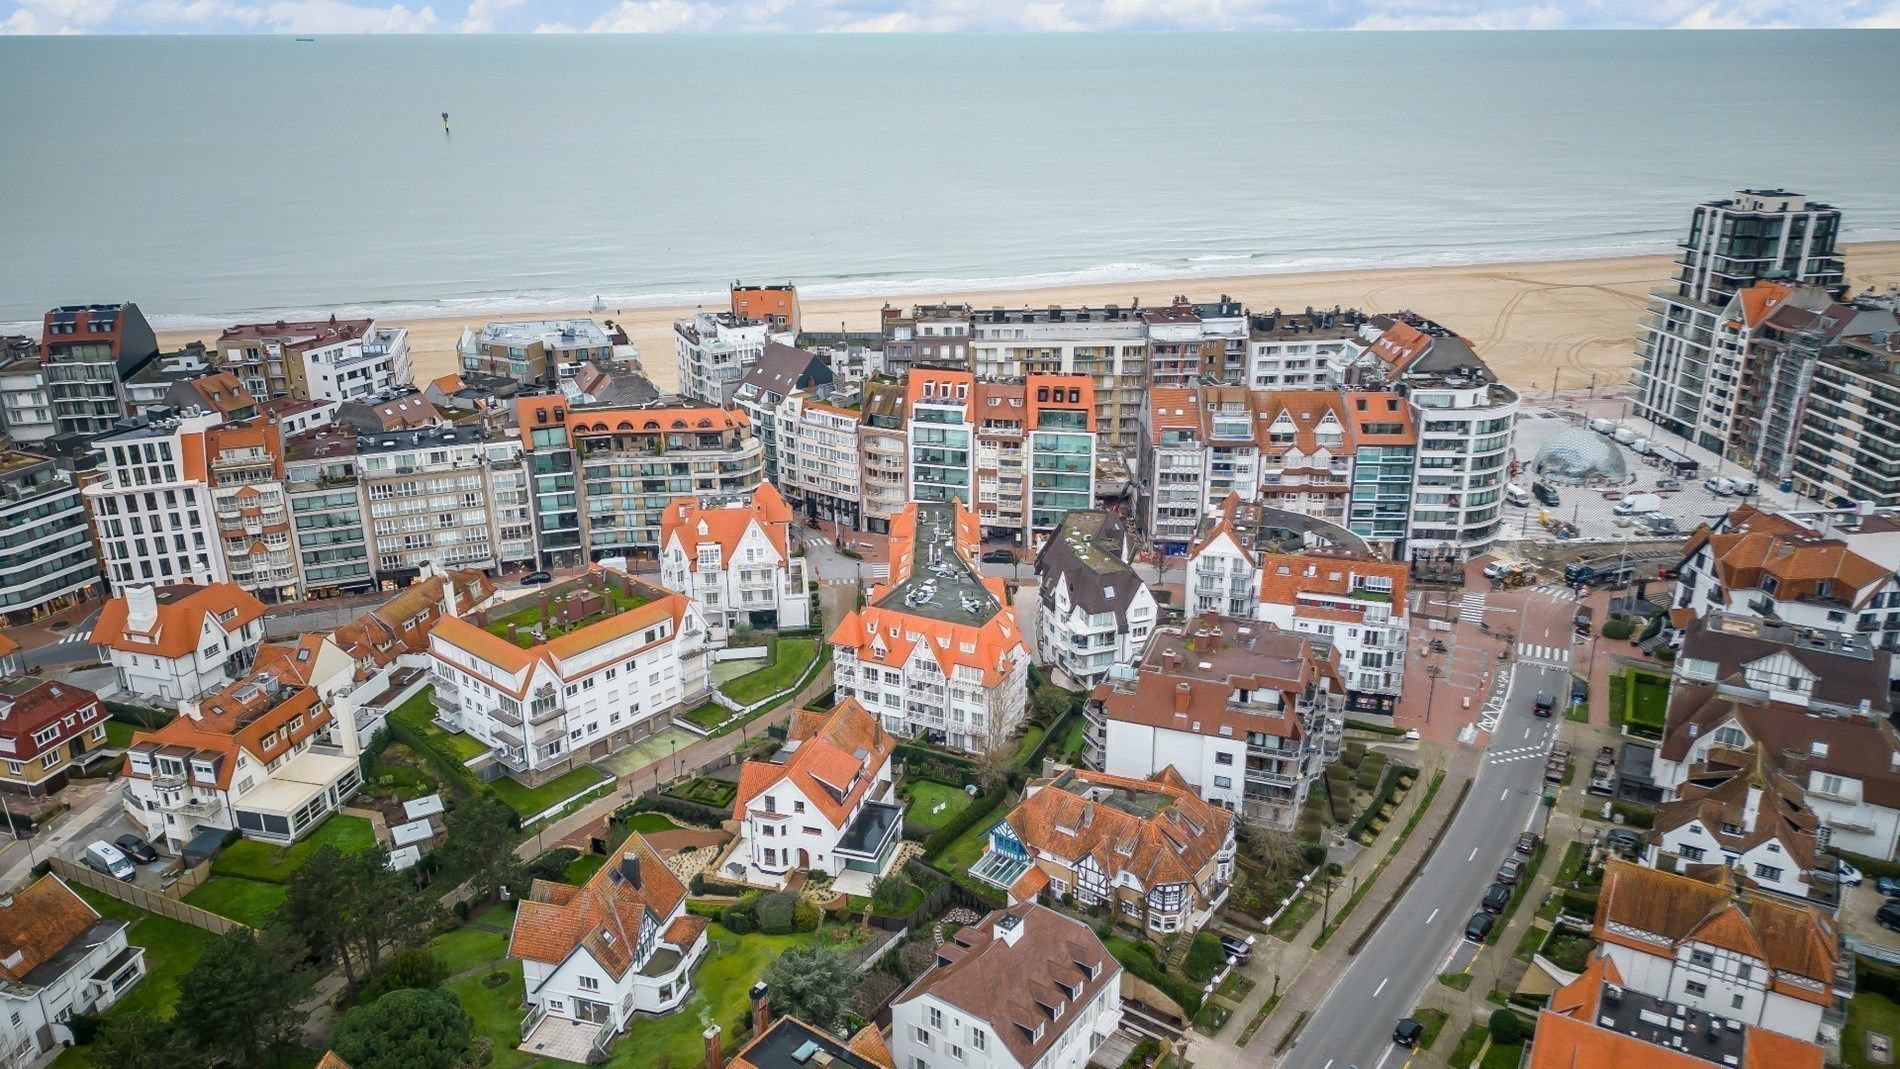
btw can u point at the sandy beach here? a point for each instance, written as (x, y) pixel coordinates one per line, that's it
(1572, 321)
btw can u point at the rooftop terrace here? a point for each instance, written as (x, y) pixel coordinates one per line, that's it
(563, 608)
(942, 584)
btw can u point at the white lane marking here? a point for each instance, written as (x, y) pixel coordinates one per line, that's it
(1381, 987)
(1473, 857)
(1329, 1064)
(1432, 918)
(1527, 733)
(1505, 796)
(1383, 1057)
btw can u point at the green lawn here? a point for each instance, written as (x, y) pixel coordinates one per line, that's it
(583, 867)
(1073, 737)
(709, 715)
(790, 658)
(1468, 1044)
(960, 855)
(927, 795)
(1029, 740)
(497, 1012)
(528, 617)
(1867, 1012)
(250, 859)
(246, 901)
(466, 947)
(171, 949)
(418, 713)
(532, 801)
(119, 733)
(645, 823)
(1503, 1057)
(1648, 698)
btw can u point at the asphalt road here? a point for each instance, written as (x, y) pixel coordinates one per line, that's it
(1424, 934)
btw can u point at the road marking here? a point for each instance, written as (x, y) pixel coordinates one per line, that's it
(1381, 1062)
(1432, 918)
(1527, 733)
(1505, 796)
(1473, 857)
(1381, 987)
(1328, 1065)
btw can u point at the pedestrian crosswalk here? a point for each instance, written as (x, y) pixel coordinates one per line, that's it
(81, 635)
(877, 571)
(1552, 655)
(1518, 753)
(1471, 608)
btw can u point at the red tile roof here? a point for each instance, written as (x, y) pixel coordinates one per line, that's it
(38, 923)
(604, 916)
(695, 524)
(835, 762)
(179, 624)
(1157, 830)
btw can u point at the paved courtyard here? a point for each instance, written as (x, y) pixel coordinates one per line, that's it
(647, 752)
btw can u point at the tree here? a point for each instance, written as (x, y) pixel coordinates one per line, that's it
(1506, 1028)
(1048, 703)
(893, 891)
(409, 1029)
(812, 983)
(478, 846)
(411, 967)
(347, 907)
(995, 739)
(240, 998)
(140, 1041)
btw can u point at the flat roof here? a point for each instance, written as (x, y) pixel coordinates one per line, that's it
(555, 333)
(942, 585)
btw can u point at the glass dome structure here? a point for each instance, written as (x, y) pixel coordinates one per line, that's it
(1581, 458)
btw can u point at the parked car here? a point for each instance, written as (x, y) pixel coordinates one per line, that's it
(536, 579)
(1668, 484)
(1479, 926)
(1888, 886)
(1496, 897)
(1888, 915)
(1527, 843)
(1846, 875)
(102, 856)
(1510, 871)
(1236, 948)
(1546, 494)
(1544, 703)
(1408, 1032)
(1745, 487)
(136, 848)
(1719, 485)
(999, 556)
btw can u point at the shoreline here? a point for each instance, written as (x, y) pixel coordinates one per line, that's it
(1527, 318)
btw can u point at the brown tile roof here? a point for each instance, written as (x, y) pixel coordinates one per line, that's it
(29, 704)
(695, 525)
(869, 1044)
(826, 766)
(1754, 544)
(1792, 742)
(1171, 690)
(40, 921)
(331, 1061)
(182, 609)
(604, 916)
(1157, 830)
(1055, 965)
(1794, 941)
(1717, 794)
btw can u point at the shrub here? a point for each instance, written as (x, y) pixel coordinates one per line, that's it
(737, 919)
(84, 1027)
(1367, 776)
(1615, 627)
(552, 866)
(892, 890)
(805, 916)
(461, 910)
(1204, 958)
(775, 913)
(1506, 1028)
(413, 967)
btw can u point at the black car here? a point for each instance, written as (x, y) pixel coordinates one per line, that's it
(1235, 948)
(1496, 897)
(1527, 843)
(999, 556)
(536, 579)
(1888, 915)
(1544, 703)
(1545, 494)
(1408, 1033)
(1479, 926)
(136, 848)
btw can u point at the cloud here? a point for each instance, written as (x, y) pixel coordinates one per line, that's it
(58, 16)
(337, 16)
(480, 16)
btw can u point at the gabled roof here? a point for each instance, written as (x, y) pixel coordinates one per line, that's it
(1579, 1030)
(1751, 545)
(30, 704)
(255, 714)
(402, 624)
(834, 761)
(1026, 990)
(1157, 830)
(1791, 741)
(604, 916)
(1086, 552)
(470, 636)
(782, 370)
(1306, 411)
(726, 521)
(1740, 793)
(1186, 681)
(183, 609)
(41, 920)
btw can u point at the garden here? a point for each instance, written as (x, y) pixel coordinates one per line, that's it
(709, 791)
(171, 949)
(530, 802)
(787, 665)
(1639, 701)
(933, 804)
(248, 877)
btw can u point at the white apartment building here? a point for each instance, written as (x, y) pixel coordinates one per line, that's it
(733, 556)
(152, 505)
(1201, 445)
(823, 803)
(273, 359)
(47, 560)
(26, 409)
(175, 642)
(1093, 610)
(451, 496)
(818, 460)
(779, 372)
(1024, 988)
(1109, 346)
(572, 672)
(59, 959)
(883, 455)
(714, 350)
(540, 351)
(1296, 351)
(1466, 422)
(359, 368)
(937, 652)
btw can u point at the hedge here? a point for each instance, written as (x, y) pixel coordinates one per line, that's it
(979, 809)
(925, 763)
(1388, 785)
(1617, 628)
(1375, 728)
(1873, 977)
(1138, 958)
(447, 762)
(1204, 958)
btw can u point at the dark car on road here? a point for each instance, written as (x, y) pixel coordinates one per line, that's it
(1889, 886)
(1408, 1033)
(1510, 870)
(536, 579)
(1479, 926)
(1544, 703)
(999, 556)
(1496, 897)
(136, 848)
(1888, 915)
(1527, 843)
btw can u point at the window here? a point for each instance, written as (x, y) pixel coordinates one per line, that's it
(934, 1016)
(1767, 872)
(1223, 758)
(1691, 853)
(979, 1039)
(590, 983)
(1735, 1002)
(1223, 783)
(1695, 989)
(956, 1052)
(1703, 958)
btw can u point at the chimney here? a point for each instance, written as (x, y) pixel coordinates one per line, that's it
(1182, 692)
(715, 1056)
(190, 709)
(448, 596)
(630, 869)
(141, 607)
(1009, 928)
(761, 1010)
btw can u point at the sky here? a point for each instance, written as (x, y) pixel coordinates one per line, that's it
(897, 16)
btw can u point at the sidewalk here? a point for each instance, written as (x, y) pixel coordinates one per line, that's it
(1303, 974)
(45, 632)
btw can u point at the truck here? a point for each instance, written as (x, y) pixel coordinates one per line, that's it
(1598, 573)
(1640, 447)
(1638, 504)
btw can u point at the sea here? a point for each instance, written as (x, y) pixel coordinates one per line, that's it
(212, 179)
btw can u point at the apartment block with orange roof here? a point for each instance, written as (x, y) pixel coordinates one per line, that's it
(1754, 959)
(177, 641)
(733, 556)
(152, 506)
(1151, 849)
(87, 352)
(272, 359)
(825, 802)
(1311, 577)
(244, 466)
(571, 672)
(1307, 445)
(1201, 444)
(1109, 346)
(262, 755)
(939, 403)
(819, 470)
(59, 959)
(883, 454)
(1247, 714)
(776, 304)
(937, 652)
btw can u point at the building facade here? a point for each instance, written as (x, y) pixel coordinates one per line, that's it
(47, 559)
(1093, 610)
(733, 557)
(176, 642)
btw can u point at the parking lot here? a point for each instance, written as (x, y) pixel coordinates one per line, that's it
(1593, 513)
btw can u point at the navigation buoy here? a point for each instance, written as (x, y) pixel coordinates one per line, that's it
(445, 122)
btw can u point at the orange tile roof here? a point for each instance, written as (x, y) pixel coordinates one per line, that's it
(331, 1061)
(222, 393)
(696, 525)
(1075, 816)
(1569, 1035)
(467, 635)
(179, 624)
(40, 921)
(685, 931)
(1306, 410)
(1399, 345)
(1761, 299)
(825, 766)
(868, 633)
(869, 1044)
(587, 421)
(604, 916)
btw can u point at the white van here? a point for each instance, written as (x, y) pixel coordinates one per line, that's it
(1517, 495)
(1624, 435)
(1640, 447)
(1602, 426)
(1638, 505)
(106, 858)
(1719, 485)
